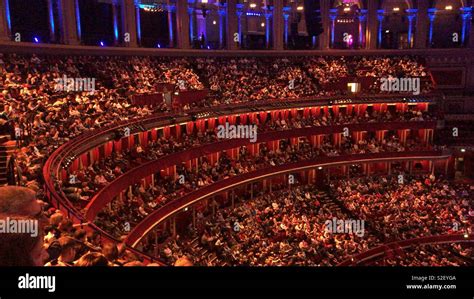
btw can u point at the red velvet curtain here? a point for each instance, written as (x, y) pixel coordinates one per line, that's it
(263, 116)
(189, 127)
(211, 122)
(243, 119)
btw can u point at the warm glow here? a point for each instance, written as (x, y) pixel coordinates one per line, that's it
(300, 8)
(347, 9)
(263, 24)
(253, 5)
(396, 9)
(204, 1)
(214, 22)
(449, 7)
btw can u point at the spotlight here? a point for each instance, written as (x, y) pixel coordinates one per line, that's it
(466, 236)
(158, 45)
(320, 167)
(396, 9)
(102, 44)
(214, 22)
(463, 150)
(36, 39)
(449, 7)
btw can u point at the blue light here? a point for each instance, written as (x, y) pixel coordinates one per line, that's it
(102, 44)
(159, 46)
(208, 47)
(36, 39)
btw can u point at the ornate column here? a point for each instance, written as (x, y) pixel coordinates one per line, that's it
(138, 24)
(362, 27)
(191, 24)
(278, 25)
(332, 16)
(70, 22)
(221, 11)
(182, 24)
(268, 15)
(431, 16)
(5, 23)
(171, 9)
(129, 24)
(466, 23)
(411, 17)
(380, 17)
(422, 25)
(286, 16)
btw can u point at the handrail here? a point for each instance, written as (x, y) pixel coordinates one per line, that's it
(380, 251)
(158, 216)
(135, 175)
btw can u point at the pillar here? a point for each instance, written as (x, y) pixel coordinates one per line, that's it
(70, 22)
(5, 22)
(286, 17)
(171, 10)
(380, 17)
(115, 22)
(362, 27)
(182, 25)
(138, 24)
(51, 27)
(466, 24)
(222, 23)
(240, 14)
(431, 16)
(129, 23)
(278, 25)
(191, 18)
(372, 25)
(268, 15)
(332, 16)
(324, 38)
(411, 18)
(232, 33)
(422, 23)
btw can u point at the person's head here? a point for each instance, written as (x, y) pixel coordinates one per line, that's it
(110, 251)
(68, 249)
(19, 201)
(21, 249)
(92, 259)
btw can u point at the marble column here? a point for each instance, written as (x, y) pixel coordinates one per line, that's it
(431, 16)
(268, 16)
(362, 27)
(466, 24)
(222, 23)
(333, 17)
(286, 17)
(171, 9)
(411, 18)
(232, 33)
(51, 27)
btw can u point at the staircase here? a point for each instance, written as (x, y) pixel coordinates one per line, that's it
(7, 147)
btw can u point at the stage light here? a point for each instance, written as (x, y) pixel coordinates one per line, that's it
(320, 167)
(449, 7)
(466, 236)
(253, 5)
(102, 44)
(300, 8)
(263, 24)
(387, 31)
(158, 45)
(214, 22)
(396, 9)
(36, 39)
(347, 9)
(463, 150)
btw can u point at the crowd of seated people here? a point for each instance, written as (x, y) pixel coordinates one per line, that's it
(282, 228)
(58, 242)
(404, 209)
(440, 255)
(287, 227)
(102, 172)
(141, 201)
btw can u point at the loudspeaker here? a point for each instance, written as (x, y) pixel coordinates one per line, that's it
(312, 13)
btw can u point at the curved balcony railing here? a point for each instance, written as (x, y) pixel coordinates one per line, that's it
(379, 252)
(158, 216)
